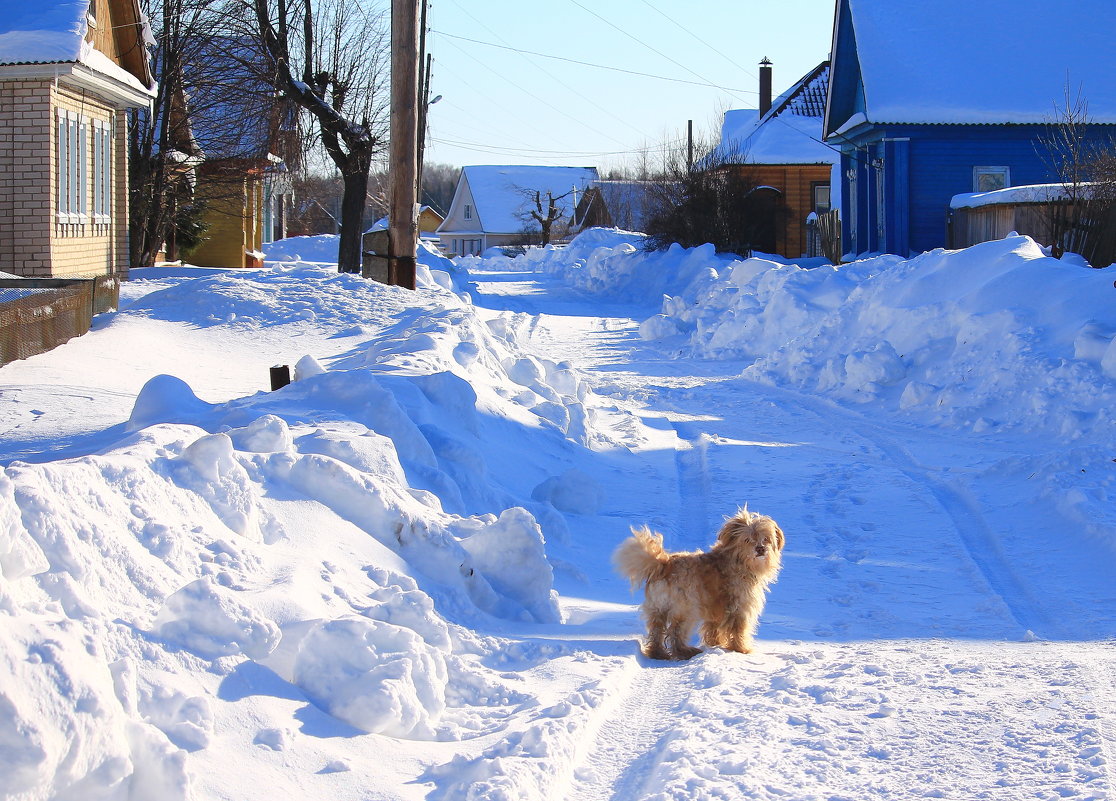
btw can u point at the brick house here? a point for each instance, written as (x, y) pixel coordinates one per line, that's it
(68, 73)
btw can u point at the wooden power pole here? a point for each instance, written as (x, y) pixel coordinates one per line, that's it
(403, 149)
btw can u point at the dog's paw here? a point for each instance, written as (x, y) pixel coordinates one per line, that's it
(655, 652)
(687, 652)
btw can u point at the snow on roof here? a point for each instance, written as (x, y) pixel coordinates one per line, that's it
(53, 32)
(499, 191)
(789, 133)
(43, 32)
(984, 61)
(1032, 193)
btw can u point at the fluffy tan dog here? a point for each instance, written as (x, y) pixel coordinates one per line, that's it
(724, 589)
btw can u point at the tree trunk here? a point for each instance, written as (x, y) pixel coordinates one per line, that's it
(349, 249)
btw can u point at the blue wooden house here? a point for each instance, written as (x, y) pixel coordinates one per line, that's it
(933, 98)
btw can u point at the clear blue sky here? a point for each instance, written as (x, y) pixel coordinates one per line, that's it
(504, 107)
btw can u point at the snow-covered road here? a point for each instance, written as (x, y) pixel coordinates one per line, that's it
(343, 590)
(930, 636)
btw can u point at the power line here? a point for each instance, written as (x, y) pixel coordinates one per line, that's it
(705, 81)
(554, 77)
(554, 153)
(549, 105)
(683, 28)
(590, 64)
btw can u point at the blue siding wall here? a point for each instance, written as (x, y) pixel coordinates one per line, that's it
(926, 165)
(942, 159)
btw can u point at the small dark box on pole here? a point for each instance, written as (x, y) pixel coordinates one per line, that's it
(280, 376)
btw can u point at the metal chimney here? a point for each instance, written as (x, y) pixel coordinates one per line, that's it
(765, 86)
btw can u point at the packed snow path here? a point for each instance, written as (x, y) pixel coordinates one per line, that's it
(343, 590)
(931, 635)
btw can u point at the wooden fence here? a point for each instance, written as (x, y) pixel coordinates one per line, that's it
(823, 236)
(1085, 226)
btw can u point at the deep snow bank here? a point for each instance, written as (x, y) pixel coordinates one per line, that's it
(995, 337)
(331, 541)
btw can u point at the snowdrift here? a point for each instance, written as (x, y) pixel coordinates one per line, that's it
(332, 545)
(996, 337)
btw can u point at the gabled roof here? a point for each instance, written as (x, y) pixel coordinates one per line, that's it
(789, 133)
(500, 193)
(56, 32)
(970, 61)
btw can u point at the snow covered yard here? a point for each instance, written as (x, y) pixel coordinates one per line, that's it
(391, 579)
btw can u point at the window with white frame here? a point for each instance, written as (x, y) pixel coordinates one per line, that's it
(989, 179)
(73, 167)
(468, 212)
(84, 163)
(102, 171)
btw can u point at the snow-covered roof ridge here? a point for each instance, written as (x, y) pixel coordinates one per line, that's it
(981, 62)
(790, 131)
(500, 190)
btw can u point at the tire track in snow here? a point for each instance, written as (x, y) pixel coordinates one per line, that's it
(616, 761)
(1101, 674)
(691, 459)
(974, 533)
(976, 536)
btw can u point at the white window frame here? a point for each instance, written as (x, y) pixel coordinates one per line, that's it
(73, 163)
(468, 211)
(979, 172)
(62, 159)
(102, 172)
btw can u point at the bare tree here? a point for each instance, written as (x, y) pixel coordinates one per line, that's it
(162, 148)
(1083, 220)
(330, 57)
(550, 215)
(543, 215)
(718, 201)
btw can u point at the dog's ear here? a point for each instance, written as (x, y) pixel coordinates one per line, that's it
(780, 540)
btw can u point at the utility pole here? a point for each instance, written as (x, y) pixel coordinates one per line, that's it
(424, 58)
(403, 149)
(424, 112)
(689, 145)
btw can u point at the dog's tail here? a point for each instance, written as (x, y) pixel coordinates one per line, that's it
(641, 557)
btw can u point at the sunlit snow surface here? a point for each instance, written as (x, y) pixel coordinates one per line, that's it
(391, 579)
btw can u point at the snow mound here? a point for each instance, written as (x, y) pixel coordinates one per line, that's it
(208, 620)
(376, 676)
(166, 399)
(997, 336)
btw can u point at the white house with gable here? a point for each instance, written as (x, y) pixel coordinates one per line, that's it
(492, 204)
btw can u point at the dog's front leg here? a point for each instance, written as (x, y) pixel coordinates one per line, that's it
(738, 631)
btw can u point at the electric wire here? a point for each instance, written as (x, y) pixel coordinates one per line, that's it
(546, 103)
(591, 64)
(551, 75)
(699, 39)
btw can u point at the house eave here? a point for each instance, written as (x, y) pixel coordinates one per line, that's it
(116, 92)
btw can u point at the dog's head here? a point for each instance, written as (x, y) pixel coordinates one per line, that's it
(755, 539)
